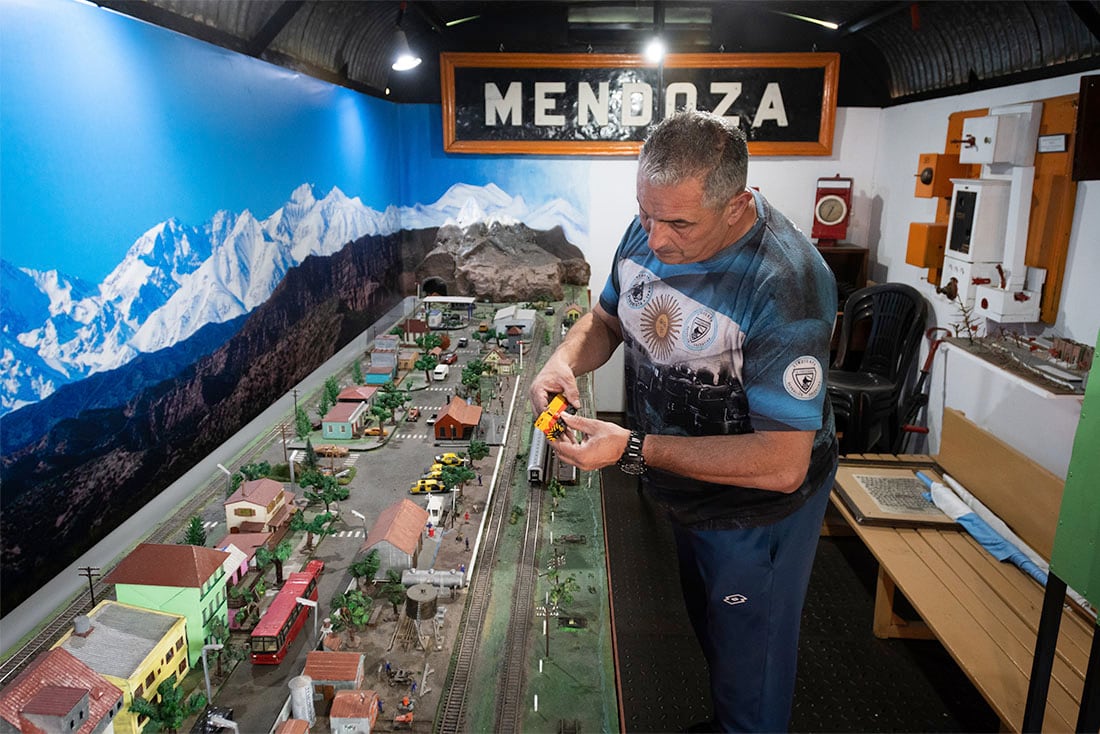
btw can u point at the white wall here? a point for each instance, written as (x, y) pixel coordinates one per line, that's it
(788, 183)
(879, 150)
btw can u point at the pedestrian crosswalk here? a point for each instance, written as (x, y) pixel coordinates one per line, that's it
(358, 533)
(210, 524)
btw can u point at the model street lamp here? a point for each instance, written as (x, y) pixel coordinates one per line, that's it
(228, 480)
(362, 517)
(206, 670)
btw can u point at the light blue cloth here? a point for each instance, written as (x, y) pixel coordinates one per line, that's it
(989, 538)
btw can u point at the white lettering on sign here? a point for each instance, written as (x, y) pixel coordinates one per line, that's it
(731, 90)
(589, 103)
(771, 107)
(680, 89)
(508, 105)
(637, 103)
(545, 104)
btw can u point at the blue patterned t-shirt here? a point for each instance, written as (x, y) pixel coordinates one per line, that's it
(734, 344)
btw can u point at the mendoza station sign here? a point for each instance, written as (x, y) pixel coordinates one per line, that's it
(591, 104)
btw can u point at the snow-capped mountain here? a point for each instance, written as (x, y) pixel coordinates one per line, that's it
(176, 278)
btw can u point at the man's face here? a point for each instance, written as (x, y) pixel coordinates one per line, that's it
(681, 229)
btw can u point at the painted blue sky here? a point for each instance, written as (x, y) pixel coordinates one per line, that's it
(110, 126)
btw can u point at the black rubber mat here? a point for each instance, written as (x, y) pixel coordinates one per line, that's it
(848, 681)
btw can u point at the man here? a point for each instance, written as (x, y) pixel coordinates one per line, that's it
(725, 311)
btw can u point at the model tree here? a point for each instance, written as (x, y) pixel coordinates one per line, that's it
(245, 600)
(302, 425)
(366, 567)
(477, 450)
(426, 362)
(170, 709)
(319, 526)
(562, 590)
(428, 342)
(390, 398)
(556, 489)
(196, 534)
(393, 590)
(322, 488)
(457, 476)
(256, 470)
(357, 372)
(276, 558)
(351, 611)
(331, 390)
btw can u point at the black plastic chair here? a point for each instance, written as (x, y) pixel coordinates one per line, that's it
(865, 386)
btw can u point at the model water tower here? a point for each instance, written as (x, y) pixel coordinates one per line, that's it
(421, 601)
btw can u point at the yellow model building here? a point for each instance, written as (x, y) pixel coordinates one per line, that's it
(136, 649)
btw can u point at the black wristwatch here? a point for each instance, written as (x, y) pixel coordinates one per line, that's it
(632, 461)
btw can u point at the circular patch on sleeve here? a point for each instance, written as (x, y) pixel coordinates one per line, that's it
(803, 378)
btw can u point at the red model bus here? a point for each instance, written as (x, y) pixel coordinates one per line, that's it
(285, 616)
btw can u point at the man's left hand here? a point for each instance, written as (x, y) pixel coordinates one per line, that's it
(600, 443)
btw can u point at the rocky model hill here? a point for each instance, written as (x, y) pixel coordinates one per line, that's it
(498, 262)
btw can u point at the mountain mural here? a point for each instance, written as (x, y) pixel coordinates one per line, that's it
(215, 323)
(176, 278)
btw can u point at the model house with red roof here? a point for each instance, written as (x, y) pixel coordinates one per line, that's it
(458, 421)
(259, 506)
(58, 692)
(357, 394)
(354, 711)
(135, 649)
(344, 421)
(397, 535)
(182, 579)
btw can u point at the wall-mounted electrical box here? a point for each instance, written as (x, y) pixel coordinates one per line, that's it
(995, 139)
(979, 216)
(926, 244)
(934, 174)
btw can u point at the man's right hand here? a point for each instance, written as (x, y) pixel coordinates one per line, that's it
(555, 377)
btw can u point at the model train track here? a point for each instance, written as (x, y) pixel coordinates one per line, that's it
(509, 689)
(510, 686)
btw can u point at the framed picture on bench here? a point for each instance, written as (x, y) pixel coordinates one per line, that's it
(890, 497)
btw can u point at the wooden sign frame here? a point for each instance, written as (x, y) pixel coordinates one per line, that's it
(453, 142)
(867, 512)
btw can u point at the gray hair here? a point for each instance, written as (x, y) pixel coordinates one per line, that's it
(692, 144)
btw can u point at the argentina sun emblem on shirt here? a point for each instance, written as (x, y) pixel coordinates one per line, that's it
(802, 378)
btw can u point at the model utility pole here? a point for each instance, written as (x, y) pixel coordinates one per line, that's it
(88, 572)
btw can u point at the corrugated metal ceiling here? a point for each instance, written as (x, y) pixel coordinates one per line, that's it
(891, 52)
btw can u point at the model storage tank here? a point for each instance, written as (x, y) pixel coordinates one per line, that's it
(420, 602)
(301, 698)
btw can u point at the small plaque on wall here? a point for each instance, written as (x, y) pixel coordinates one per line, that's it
(589, 104)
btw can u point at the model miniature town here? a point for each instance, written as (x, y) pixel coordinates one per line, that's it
(401, 552)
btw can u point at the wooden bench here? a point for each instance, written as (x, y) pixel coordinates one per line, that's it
(985, 613)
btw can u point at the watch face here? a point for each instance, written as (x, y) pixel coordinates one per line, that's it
(830, 209)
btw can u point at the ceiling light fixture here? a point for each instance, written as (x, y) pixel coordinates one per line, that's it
(655, 49)
(403, 57)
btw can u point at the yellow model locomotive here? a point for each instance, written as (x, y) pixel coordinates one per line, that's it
(549, 420)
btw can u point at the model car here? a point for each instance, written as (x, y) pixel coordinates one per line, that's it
(328, 449)
(374, 431)
(448, 358)
(426, 486)
(412, 414)
(463, 341)
(431, 419)
(450, 459)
